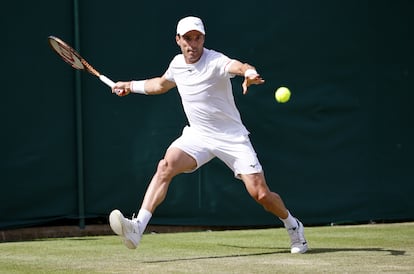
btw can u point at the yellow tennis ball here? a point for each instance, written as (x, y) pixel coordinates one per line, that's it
(282, 94)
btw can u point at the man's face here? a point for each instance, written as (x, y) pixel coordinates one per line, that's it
(191, 45)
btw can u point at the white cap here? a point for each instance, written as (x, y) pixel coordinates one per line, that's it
(190, 23)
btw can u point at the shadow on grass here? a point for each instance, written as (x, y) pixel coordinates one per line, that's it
(282, 251)
(86, 239)
(217, 257)
(330, 250)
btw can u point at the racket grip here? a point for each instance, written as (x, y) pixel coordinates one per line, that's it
(106, 80)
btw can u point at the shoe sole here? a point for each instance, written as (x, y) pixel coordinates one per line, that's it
(299, 251)
(115, 221)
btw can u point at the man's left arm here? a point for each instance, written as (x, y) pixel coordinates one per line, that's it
(248, 71)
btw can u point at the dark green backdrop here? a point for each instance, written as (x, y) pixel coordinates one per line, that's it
(339, 151)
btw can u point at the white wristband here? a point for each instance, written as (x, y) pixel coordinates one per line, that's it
(138, 87)
(250, 72)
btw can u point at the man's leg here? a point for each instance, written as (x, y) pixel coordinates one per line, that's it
(272, 202)
(175, 162)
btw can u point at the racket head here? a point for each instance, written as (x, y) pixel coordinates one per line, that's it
(66, 52)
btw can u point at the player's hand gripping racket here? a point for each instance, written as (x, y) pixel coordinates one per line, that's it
(73, 58)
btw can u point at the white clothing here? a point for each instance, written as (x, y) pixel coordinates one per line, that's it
(216, 129)
(237, 152)
(206, 94)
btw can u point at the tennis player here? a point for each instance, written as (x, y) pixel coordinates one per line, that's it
(202, 77)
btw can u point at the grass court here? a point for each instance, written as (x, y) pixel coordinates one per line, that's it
(376, 248)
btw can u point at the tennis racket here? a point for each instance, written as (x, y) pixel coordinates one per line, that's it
(73, 58)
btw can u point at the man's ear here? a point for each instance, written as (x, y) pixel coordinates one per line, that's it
(177, 39)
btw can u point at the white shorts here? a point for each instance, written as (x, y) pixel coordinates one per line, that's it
(236, 152)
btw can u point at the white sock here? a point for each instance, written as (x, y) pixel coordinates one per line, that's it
(143, 217)
(290, 221)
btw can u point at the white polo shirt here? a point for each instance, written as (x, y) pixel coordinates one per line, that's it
(206, 94)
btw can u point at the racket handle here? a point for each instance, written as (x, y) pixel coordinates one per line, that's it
(107, 81)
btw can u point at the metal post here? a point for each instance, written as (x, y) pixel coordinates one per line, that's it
(79, 121)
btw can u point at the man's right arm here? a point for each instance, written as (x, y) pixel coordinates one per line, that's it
(153, 86)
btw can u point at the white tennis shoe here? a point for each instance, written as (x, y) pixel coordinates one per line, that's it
(126, 228)
(298, 242)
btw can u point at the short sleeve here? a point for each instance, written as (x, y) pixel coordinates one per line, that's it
(223, 63)
(168, 73)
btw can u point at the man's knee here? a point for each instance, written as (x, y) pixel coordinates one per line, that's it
(263, 195)
(260, 191)
(162, 164)
(164, 171)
